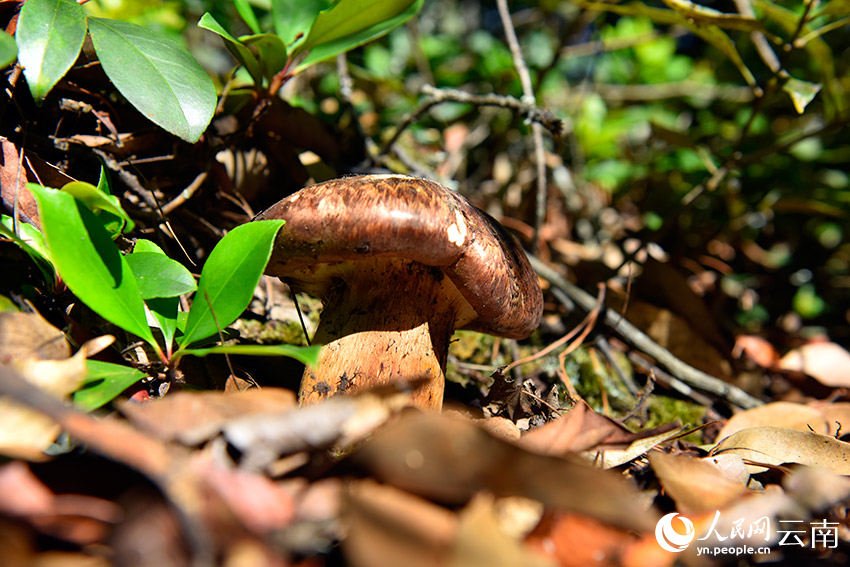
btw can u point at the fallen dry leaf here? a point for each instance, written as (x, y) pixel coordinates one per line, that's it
(695, 485)
(451, 460)
(481, 541)
(779, 414)
(779, 445)
(386, 527)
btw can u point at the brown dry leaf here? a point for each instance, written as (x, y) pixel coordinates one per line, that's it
(29, 335)
(696, 485)
(778, 445)
(26, 433)
(779, 414)
(816, 489)
(386, 527)
(578, 430)
(673, 333)
(450, 460)
(13, 183)
(578, 541)
(481, 542)
(194, 417)
(826, 362)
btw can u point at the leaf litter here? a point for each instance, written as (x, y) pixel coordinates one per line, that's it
(250, 477)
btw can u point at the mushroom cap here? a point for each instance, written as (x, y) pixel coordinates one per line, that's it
(418, 220)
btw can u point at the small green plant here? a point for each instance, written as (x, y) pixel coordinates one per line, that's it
(307, 32)
(140, 291)
(155, 74)
(163, 80)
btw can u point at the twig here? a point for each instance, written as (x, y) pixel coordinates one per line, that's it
(435, 96)
(185, 194)
(536, 130)
(638, 339)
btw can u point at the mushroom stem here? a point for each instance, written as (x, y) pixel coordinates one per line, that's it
(385, 322)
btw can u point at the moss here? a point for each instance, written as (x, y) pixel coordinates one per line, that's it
(664, 409)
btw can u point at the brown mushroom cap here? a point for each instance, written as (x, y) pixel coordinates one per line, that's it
(395, 216)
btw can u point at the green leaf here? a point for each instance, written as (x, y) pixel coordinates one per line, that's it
(293, 18)
(104, 382)
(89, 262)
(242, 54)
(31, 241)
(247, 14)
(160, 276)
(351, 23)
(96, 200)
(165, 312)
(8, 49)
(157, 75)
(801, 92)
(144, 245)
(271, 52)
(50, 34)
(229, 277)
(304, 354)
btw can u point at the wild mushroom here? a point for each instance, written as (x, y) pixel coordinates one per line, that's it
(399, 263)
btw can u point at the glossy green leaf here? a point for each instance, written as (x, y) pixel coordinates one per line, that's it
(304, 354)
(89, 262)
(271, 52)
(351, 23)
(242, 54)
(144, 245)
(104, 185)
(157, 75)
(293, 18)
(104, 382)
(96, 200)
(246, 12)
(165, 311)
(31, 241)
(50, 34)
(8, 49)
(229, 277)
(160, 276)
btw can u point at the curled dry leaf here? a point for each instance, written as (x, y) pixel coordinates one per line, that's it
(779, 445)
(778, 414)
(695, 485)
